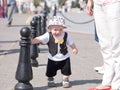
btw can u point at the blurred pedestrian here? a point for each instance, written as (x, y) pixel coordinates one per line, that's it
(58, 58)
(64, 7)
(3, 8)
(11, 7)
(107, 19)
(69, 5)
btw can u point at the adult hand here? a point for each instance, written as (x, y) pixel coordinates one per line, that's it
(89, 7)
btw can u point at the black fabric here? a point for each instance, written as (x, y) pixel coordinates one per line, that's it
(53, 47)
(63, 47)
(53, 66)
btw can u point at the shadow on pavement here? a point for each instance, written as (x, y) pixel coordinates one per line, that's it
(9, 41)
(81, 82)
(12, 51)
(74, 83)
(4, 52)
(19, 25)
(43, 50)
(42, 65)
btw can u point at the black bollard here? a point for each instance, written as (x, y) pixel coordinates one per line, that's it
(34, 47)
(39, 25)
(24, 70)
(46, 9)
(44, 23)
(44, 18)
(35, 18)
(55, 10)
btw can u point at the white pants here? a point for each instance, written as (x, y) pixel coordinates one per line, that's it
(107, 19)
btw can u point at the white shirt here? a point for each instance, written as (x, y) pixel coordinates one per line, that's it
(58, 57)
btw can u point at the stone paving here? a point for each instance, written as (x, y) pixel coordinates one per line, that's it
(83, 76)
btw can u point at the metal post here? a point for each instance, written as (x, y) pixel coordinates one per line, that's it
(34, 47)
(39, 25)
(55, 11)
(24, 70)
(44, 18)
(35, 18)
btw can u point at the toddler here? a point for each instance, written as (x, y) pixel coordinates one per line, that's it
(58, 59)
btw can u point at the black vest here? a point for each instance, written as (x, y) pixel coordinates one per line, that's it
(53, 47)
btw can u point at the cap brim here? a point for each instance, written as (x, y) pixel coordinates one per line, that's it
(50, 26)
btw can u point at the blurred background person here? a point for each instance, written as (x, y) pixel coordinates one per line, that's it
(107, 20)
(69, 5)
(11, 6)
(3, 8)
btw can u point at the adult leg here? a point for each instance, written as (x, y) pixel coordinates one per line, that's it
(10, 14)
(104, 35)
(113, 14)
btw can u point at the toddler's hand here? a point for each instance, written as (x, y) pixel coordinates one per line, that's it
(75, 51)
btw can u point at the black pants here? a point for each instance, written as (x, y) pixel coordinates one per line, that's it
(53, 66)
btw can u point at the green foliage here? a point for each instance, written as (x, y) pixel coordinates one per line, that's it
(61, 2)
(36, 2)
(75, 4)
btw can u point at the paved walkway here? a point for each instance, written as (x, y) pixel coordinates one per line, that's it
(83, 75)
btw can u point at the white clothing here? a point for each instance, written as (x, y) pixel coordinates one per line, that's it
(105, 2)
(107, 19)
(58, 57)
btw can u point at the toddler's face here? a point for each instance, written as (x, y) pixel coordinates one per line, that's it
(56, 30)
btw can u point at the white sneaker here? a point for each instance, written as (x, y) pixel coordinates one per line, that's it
(98, 68)
(66, 83)
(101, 71)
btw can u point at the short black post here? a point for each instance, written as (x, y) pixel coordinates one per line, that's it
(55, 10)
(35, 18)
(34, 47)
(24, 70)
(44, 23)
(44, 18)
(39, 25)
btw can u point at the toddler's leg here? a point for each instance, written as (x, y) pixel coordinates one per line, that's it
(65, 82)
(51, 82)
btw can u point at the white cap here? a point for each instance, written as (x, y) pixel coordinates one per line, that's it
(57, 20)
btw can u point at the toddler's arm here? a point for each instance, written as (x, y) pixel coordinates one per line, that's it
(74, 49)
(35, 40)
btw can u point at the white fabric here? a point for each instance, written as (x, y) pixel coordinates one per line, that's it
(58, 57)
(57, 20)
(107, 19)
(105, 2)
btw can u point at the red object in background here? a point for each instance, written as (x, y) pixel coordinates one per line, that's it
(2, 15)
(99, 89)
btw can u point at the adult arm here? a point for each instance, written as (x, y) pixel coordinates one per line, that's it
(89, 7)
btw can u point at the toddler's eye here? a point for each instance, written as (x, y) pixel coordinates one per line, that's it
(55, 29)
